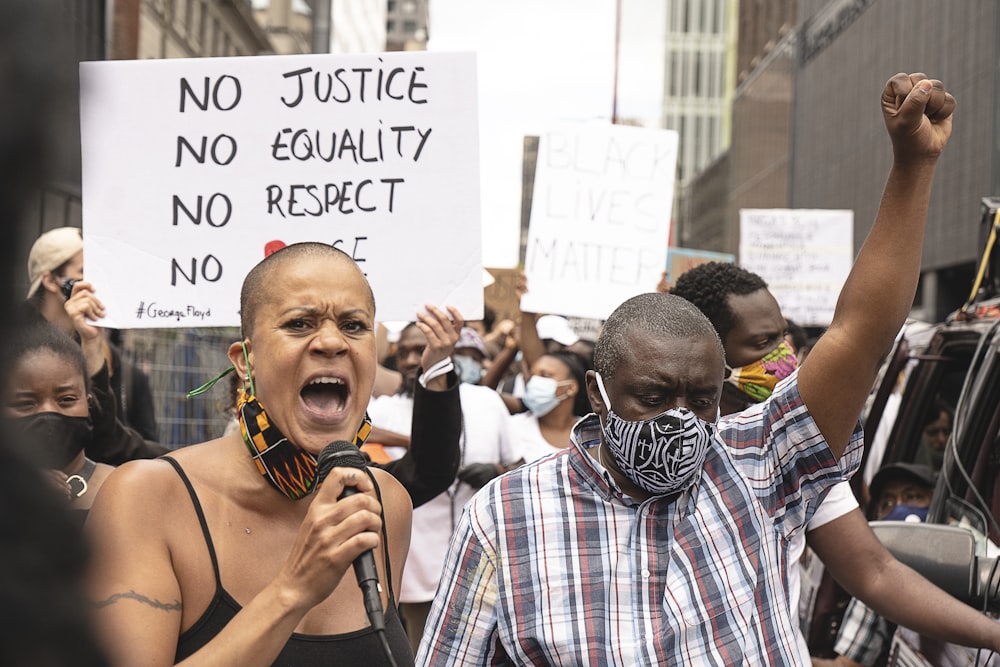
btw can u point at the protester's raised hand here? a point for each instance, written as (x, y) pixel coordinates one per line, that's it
(334, 533)
(502, 334)
(917, 113)
(441, 330)
(84, 308)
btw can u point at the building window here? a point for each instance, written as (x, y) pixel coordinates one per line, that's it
(409, 27)
(390, 26)
(390, 6)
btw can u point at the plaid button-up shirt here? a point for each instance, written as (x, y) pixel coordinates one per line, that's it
(864, 635)
(553, 564)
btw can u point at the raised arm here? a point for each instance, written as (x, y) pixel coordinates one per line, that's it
(113, 442)
(428, 467)
(879, 291)
(531, 345)
(866, 570)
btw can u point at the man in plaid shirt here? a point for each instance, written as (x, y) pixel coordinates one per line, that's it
(660, 536)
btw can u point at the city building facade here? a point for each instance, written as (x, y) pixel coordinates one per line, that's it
(406, 25)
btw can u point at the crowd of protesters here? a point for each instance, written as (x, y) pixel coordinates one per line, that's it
(526, 495)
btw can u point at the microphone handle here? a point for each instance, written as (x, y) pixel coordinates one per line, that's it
(367, 576)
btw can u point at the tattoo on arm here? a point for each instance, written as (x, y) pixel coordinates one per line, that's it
(132, 595)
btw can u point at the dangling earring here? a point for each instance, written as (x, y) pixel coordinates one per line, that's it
(246, 378)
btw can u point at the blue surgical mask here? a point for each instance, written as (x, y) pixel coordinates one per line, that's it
(904, 512)
(540, 395)
(469, 370)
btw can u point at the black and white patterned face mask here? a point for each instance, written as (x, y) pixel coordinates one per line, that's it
(661, 455)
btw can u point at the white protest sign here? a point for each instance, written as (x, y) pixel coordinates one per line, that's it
(195, 169)
(600, 218)
(804, 255)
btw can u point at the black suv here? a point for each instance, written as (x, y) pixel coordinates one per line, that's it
(955, 364)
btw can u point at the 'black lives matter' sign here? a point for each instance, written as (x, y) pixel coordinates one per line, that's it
(600, 217)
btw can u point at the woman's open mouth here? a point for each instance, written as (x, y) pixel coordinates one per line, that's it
(325, 397)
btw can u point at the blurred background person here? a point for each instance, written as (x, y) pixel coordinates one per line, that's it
(899, 492)
(470, 356)
(47, 414)
(42, 556)
(55, 264)
(934, 438)
(556, 398)
(486, 451)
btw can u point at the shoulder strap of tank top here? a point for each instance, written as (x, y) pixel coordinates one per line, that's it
(385, 536)
(201, 517)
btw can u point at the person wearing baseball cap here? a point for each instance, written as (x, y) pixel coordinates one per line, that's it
(56, 257)
(555, 328)
(469, 356)
(58, 294)
(899, 492)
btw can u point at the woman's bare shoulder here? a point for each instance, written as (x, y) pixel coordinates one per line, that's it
(393, 493)
(149, 484)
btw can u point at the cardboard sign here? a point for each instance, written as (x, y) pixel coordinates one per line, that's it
(196, 169)
(600, 218)
(804, 256)
(680, 260)
(501, 295)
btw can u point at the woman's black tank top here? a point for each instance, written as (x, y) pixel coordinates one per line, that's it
(361, 647)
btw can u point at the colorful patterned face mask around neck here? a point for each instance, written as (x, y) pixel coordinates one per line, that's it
(286, 466)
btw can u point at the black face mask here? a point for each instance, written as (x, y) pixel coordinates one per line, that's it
(51, 438)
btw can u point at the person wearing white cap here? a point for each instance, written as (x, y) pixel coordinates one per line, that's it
(539, 334)
(58, 294)
(556, 328)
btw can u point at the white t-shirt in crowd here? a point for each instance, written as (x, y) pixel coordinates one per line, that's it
(485, 439)
(529, 442)
(838, 502)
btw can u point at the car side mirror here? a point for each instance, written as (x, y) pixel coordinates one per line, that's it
(946, 556)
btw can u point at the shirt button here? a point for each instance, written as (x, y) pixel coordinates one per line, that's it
(645, 573)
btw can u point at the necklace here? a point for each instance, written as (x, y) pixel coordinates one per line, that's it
(80, 479)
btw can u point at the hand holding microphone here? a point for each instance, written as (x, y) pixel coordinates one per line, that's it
(343, 454)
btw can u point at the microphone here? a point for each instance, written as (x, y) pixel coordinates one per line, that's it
(344, 454)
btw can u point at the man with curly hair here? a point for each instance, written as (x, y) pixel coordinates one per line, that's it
(752, 329)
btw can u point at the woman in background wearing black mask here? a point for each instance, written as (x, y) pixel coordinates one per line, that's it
(47, 413)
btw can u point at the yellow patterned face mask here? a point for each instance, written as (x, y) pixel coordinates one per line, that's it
(286, 466)
(758, 380)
